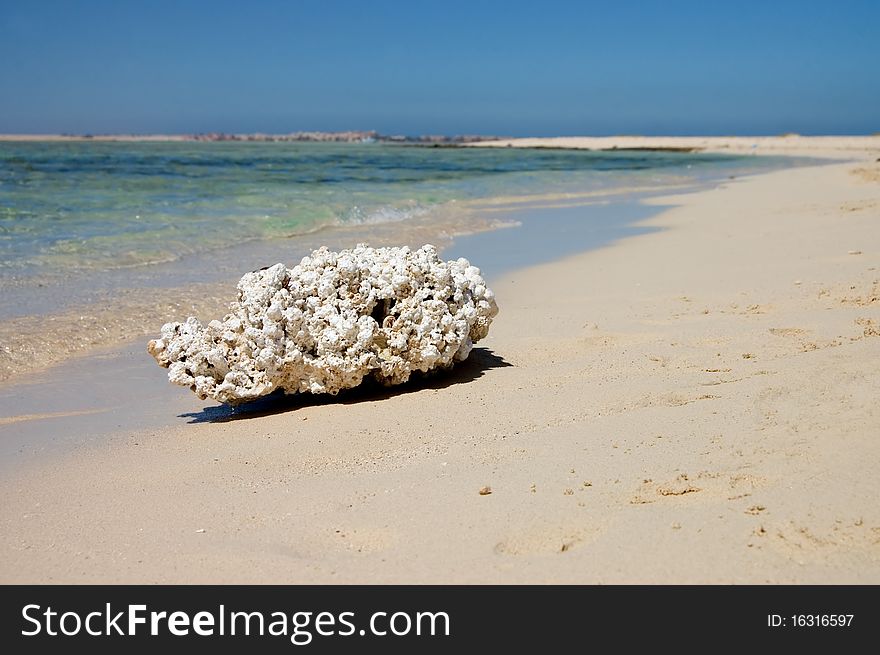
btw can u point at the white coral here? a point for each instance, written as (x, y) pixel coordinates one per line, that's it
(325, 324)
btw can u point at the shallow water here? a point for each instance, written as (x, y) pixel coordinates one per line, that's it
(89, 206)
(80, 221)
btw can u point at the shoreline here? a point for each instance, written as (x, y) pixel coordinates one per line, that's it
(49, 321)
(106, 376)
(824, 146)
(694, 404)
(865, 147)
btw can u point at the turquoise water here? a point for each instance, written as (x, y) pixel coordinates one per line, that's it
(81, 207)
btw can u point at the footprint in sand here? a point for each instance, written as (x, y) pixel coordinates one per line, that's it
(867, 174)
(810, 346)
(857, 206)
(363, 539)
(844, 540)
(756, 309)
(547, 540)
(805, 346)
(863, 297)
(787, 332)
(705, 484)
(869, 326)
(650, 491)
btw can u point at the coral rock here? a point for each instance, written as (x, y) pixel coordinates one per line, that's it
(326, 324)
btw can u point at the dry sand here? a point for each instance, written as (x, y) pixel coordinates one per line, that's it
(698, 404)
(844, 147)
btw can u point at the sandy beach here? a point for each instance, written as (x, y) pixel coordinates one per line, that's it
(697, 404)
(840, 147)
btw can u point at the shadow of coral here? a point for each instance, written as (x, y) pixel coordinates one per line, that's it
(479, 361)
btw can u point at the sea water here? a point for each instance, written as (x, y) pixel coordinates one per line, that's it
(80, 217)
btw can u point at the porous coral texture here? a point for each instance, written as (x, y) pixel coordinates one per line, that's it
(327, 323)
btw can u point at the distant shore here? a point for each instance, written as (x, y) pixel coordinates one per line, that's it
(831, 147)
(352, 136)
(854, 146)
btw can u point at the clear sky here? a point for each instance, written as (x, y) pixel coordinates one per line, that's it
(540, 67)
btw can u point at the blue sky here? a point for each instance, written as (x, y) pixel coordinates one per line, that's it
(518, 68)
